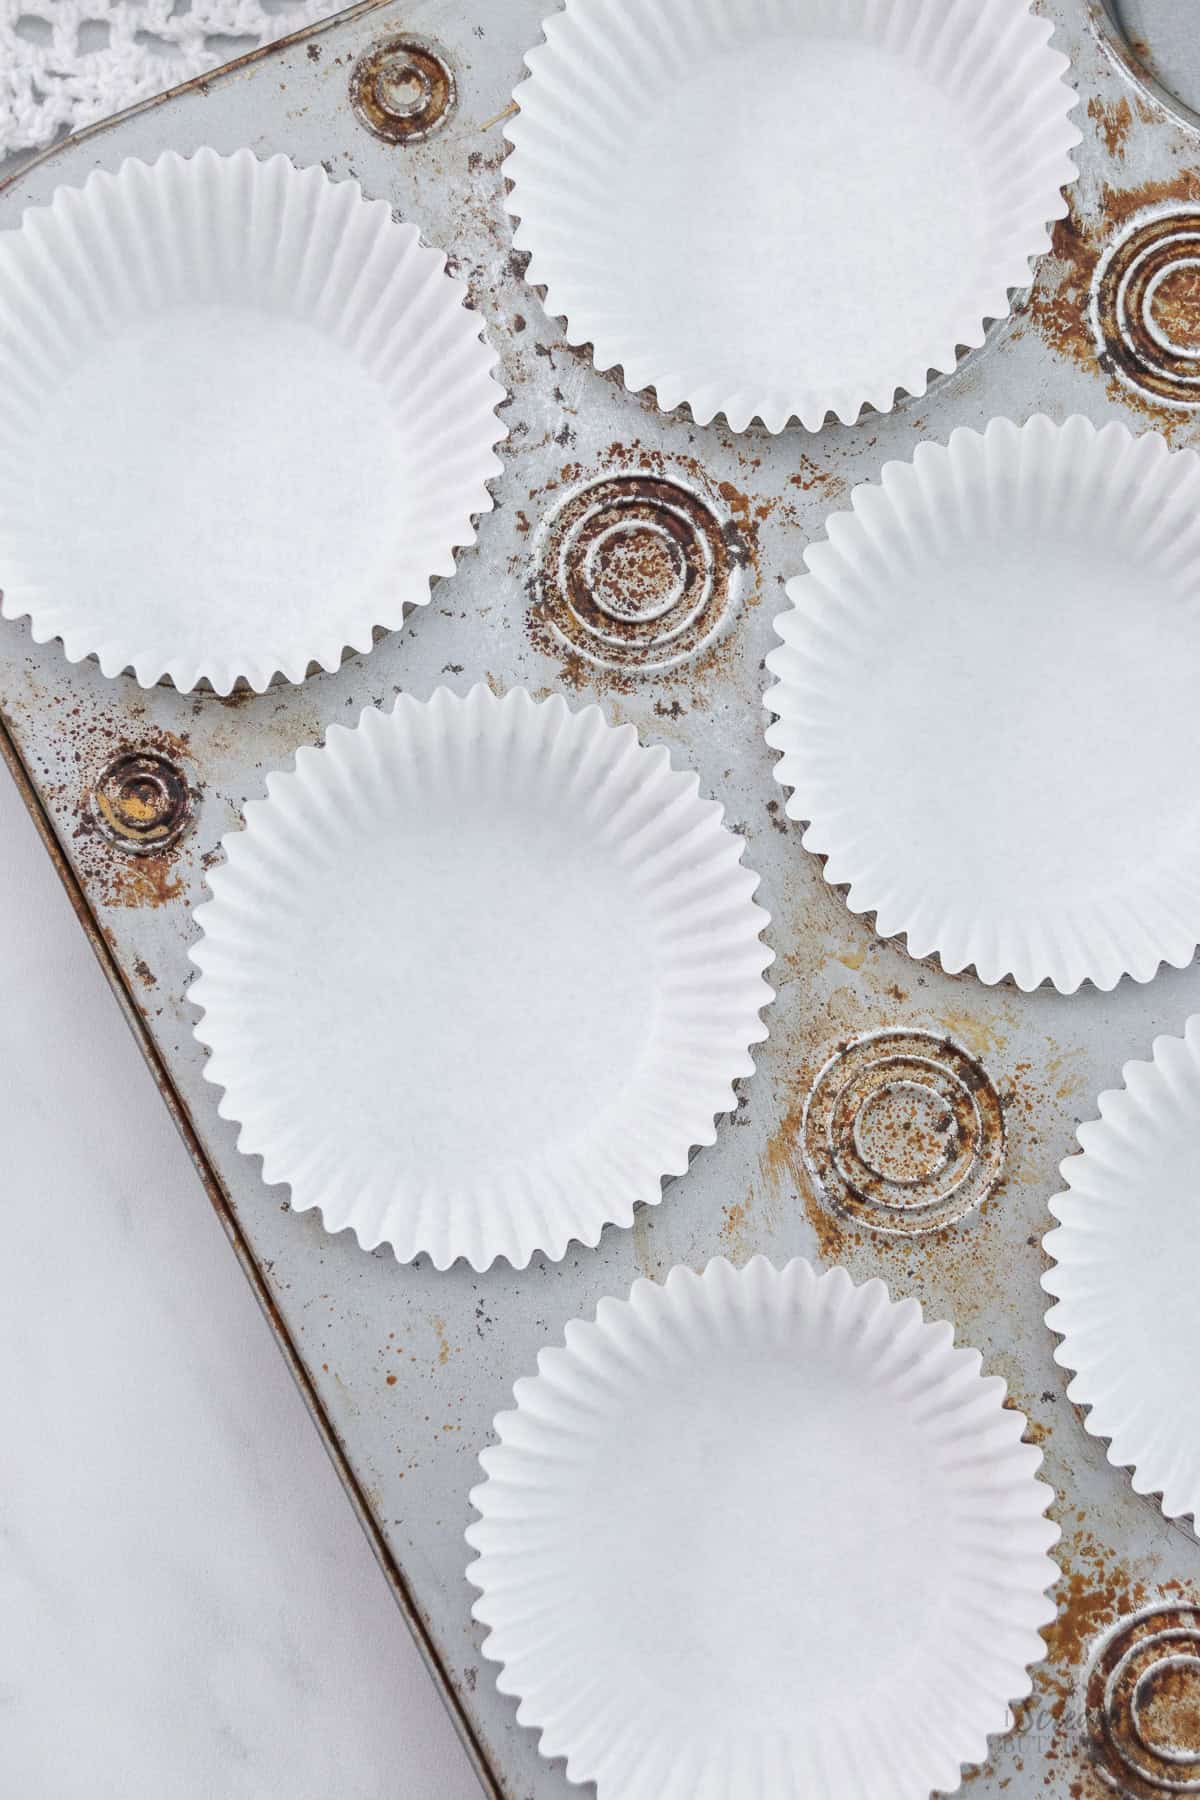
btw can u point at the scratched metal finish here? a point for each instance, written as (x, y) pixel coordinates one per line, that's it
(410, 1365)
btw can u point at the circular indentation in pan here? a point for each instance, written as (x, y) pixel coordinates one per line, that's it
(1158, 39)
(402, 90)
(141, 802)
(638, 571)
(1143, 1703)
(1146, 305)
(903, 1132)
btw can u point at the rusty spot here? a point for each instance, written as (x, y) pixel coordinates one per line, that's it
(1059, 308)
(1142, 1702)
(903, 1132)
(141, 802)
(402, 90)
(637, 571)
(1114, 121)
(1064, 305)
(1146, 305)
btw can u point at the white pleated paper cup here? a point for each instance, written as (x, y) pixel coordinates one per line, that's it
(762, 1535)
(478, 975)
(778, 209)
(1126, 1252)
(985, 703)
(246, 419)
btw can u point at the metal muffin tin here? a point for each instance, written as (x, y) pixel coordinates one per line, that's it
(404, 1368)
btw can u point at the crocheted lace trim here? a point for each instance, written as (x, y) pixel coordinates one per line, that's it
(66, 63)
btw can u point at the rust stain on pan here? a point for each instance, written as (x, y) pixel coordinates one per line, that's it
(640, 567)
(1113, 120)
(636, 571)
(1146, 298)
(126, 785)
(132, 813)
(1121, 292)
(141, 802)
(784, 1171)
(903, 1132)
(1142, 1702)
(402, 90)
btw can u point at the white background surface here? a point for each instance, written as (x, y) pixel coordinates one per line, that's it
(188, 1609)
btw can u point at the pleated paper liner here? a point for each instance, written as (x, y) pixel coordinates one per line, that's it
(246, 419)
(985, 702)
(762, 1535)
(478, 975)
(778, 209)
(1126, 1255)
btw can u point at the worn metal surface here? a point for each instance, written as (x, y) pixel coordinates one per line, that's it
(639, 559)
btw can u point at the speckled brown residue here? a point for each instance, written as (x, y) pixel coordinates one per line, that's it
(1114, 120)
(1120, 205)
(983, 1034)
(784, 1172)
(1171, 1708)
(811, 476)
(1059, 304)
(734, 551)
(87, 739)
(1176, 306)
(738, 1230)
(142, 881)
(1094, 1592)
(443, 1351)
(145, 973)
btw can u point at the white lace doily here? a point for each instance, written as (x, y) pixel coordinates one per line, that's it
(66, 63)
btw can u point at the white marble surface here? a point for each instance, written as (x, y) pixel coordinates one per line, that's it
(188, 1610)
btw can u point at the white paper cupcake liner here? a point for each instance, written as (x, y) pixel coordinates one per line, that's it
(478, 975)
(986, 703)
(787, 208)
(1126, 1255)
(246, 418)
(762, 1535)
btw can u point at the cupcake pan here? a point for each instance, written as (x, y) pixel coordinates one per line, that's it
(712, 521)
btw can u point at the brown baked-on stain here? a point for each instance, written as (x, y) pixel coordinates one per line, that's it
(1177, 305)
(1060, 308)
(733, 548)
(783, 1170)
(1094, 1592)
(109, 875)
(1114, 120)
(1171, 1702)
(1120, 205)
